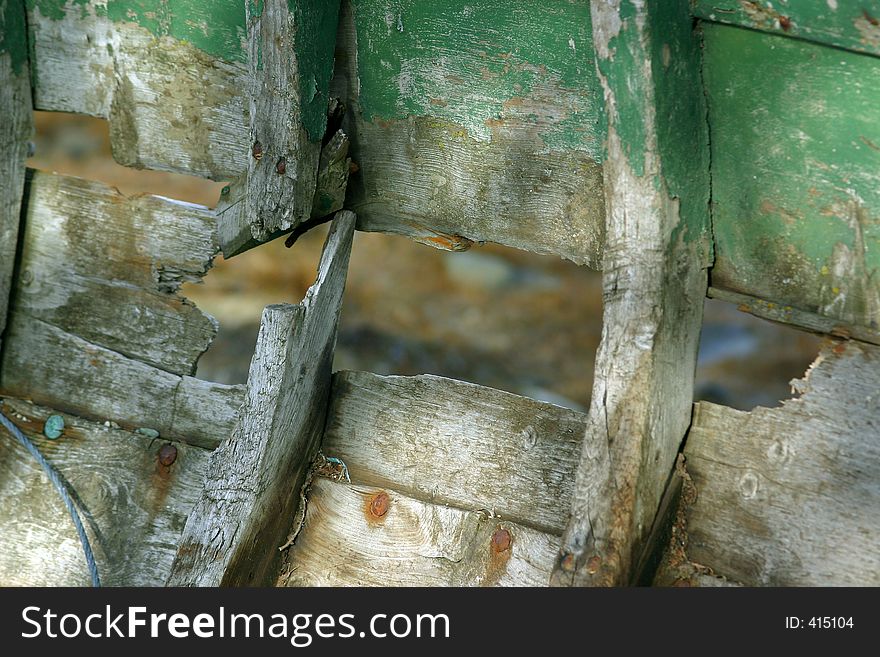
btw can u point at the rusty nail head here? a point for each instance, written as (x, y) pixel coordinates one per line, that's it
(500, 540)
(167, 454)
(568, 563)
(379, 505)
(785, 23)
(281, 166)
(257, 150)
(593, 564)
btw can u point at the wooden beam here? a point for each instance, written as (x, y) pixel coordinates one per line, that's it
(654, 276)
(253, 481)
(290, 54)
(16, 129)
(99, 328)
(450, 442)
(134, 492)
(365, 536)
(795, 173)
(789, 496)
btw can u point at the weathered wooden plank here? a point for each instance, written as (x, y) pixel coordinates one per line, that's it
(290, 53)
(50, 366)
(490, 131)
(844, 24)
(233, 224)
(796, 174)
(169, 74)
(108, 268)
(134, 506)
(654, 280)
(253, 480)
(795, 317)
(15, 130)
(450, 442)
(351, 538)
(790, 496)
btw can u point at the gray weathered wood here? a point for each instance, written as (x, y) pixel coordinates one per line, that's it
(134, 507)
(790, 496)
(450, 442)
(108, 268)
(254, 479)
(283, 167)
(16, 127)
(486, 148)
(234, 227)
(50, 366)
(414, 543)
(654, 279)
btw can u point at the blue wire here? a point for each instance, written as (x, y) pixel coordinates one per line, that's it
(54, 477)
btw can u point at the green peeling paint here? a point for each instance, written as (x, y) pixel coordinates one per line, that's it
(217, 27)
(13, 34)
(481, 63)
(53, 427)
(316, 22)
(842, 23)
(795, 134)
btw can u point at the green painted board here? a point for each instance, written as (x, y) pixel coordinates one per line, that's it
(795, 138)
(842, 23)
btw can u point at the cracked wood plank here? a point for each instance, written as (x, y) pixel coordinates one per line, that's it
(654, 279)
(16, 129)
(98, 327)
(795, 182)
(790, 496)
(290, 53)
(449, 442)
(253, 480)
(134, 507)
(412, 543)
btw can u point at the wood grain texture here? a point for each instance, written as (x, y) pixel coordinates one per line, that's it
(108, 268)
(16, 129)
(784, 314)
(450, 442)
(413, 544)
(283, 167)
(134, 507)
(654, 281)
(790, 496)
(795, 182)
(845, 24)
(172, 105)
(253, 481)
(50, 366)
(488, 132)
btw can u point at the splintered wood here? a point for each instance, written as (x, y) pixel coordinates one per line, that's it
(790, 496)
(253, 480)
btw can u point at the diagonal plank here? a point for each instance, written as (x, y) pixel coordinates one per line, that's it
(253, 479)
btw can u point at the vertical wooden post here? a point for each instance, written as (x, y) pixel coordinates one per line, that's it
(290, 49)
(16, 128)
(253, 480)
(654, 278)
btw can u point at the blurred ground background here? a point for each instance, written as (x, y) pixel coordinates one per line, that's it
(499, 317)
